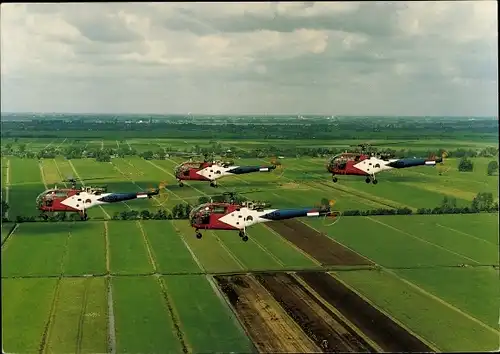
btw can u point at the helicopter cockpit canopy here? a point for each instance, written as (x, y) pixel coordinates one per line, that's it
(184, 168)
(47, 196)
(201, 214)
(340, 161)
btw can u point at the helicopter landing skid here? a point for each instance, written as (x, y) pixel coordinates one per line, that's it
(371, 179)
(243, 236)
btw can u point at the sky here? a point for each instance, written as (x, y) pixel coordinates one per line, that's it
(332, 58)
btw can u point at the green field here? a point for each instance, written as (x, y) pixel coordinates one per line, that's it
(145, 286)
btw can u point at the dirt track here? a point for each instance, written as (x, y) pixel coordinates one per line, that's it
(267, 324)
(326, 329)
(322, 248)
(381, 329)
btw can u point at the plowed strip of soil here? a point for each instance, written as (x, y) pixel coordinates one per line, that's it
(267, 324)
(325, 328)
(322, 248)
(381, 329)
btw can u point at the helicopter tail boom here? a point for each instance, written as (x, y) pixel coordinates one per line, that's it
(239, 170)
(284, 214)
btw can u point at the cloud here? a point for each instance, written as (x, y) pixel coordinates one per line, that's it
(311, 57)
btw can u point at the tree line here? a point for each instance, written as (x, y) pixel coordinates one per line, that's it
(482, 202)
(79, 150)
(223, 128)
(105, 155)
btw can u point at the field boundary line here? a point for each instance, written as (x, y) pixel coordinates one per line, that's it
(10, 234)
(59, 145)
(152, 259)
(422, 240)
(466, 234)
(46, 146)
(83, 184)
(430, 344)
(197, 261)
(373, 198)
(126, 177)
(337, 313)
(174, 315)
(50, 320)
(293, 245)
(443, 302)
(368, 200)
(160, 205)
(106, 246)
(81, 320)
(59, 170)
(456, 178)
(231, 310)
(65, 254)
(263, 248)
(442, 189)
(238, 261)
(42, 174)
(111, 318)
(7, 186)
(7, 173)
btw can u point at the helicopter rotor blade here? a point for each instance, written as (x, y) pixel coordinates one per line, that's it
(441, 166)
(222, 195)
(335, 216)
(162, 197)
(279, 166)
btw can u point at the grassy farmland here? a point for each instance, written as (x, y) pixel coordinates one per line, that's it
(146, 286)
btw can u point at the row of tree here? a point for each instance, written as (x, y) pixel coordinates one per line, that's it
(482, 202)
(76, 151)
(252, 128)
(466, 165)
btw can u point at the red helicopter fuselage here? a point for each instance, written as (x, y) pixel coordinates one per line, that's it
(208, 216)
(345, 164)
(189, 171)
(52, 200)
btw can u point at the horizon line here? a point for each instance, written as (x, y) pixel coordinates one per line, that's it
(250, 114)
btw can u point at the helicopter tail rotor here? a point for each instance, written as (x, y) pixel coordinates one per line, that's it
(331, 216)
(278, 166)
(440, 163)
(160, 194)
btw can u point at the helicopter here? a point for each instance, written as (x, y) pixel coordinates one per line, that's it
(368, 163)
(78, 200)
(211, 170)
(237, 214)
